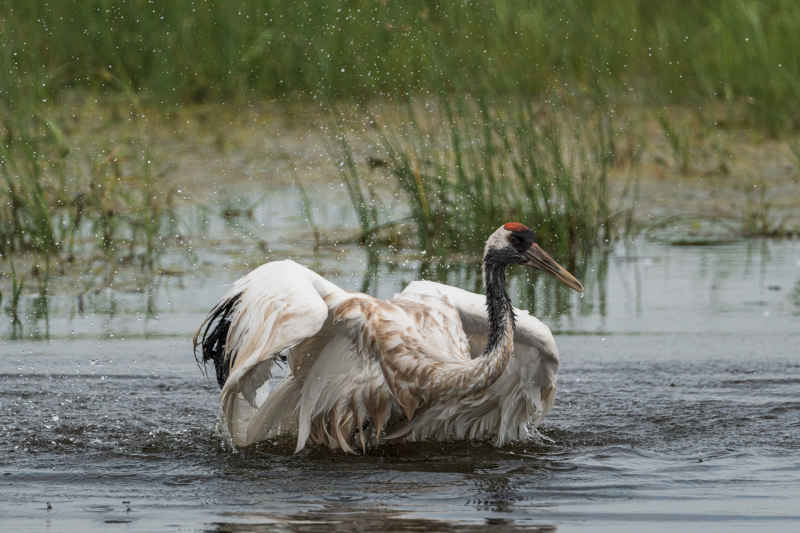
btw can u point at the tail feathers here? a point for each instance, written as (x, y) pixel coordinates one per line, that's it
(213, 339)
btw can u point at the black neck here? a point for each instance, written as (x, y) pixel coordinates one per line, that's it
(498, 303)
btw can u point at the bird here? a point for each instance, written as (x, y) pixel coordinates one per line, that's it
(433, 363)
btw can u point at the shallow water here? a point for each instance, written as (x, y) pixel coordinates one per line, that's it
(678, 406)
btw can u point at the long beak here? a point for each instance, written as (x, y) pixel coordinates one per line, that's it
(538, 258)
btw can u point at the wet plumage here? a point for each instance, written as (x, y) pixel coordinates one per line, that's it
(433, 362)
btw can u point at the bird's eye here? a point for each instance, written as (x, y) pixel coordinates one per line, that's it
(517, 242)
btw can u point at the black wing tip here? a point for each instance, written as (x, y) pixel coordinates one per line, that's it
(214, 336)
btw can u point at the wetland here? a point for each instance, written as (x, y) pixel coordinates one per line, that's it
(152, 154)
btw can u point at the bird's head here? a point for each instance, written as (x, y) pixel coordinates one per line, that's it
(515, 244)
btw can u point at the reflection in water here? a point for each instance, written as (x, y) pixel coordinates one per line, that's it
(94, 297)
(112, 266)
(370, 278)
(643, 279)
(686, 381)
(122, 270)
(12, 309)
(348, 519)
(536, 291)
(40, 313)
(36, 313)
(796, 297)
(196, 251)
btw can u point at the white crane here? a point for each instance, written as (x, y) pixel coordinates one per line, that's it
(434, 362)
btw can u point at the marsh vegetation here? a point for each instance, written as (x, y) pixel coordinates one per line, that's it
(153, 152)
(460, 165)
(649, 52)
(439, 119)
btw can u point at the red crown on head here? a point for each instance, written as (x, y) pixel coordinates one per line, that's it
(515, 226)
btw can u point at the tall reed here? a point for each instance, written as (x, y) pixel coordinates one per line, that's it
(59, 211)
(469, 166)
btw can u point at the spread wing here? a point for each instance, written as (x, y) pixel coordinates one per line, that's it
(283, 308)
(532, 338)
(357, 364)
(526, 390)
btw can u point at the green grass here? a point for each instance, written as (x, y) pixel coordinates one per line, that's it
(50, 209)
(12, 308)
(168, 53)
(109, 225)
(66, 210)
(470, 166)
(461, 169)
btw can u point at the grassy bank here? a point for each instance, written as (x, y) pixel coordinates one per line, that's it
(103, 196)
(535, 111)
(183, 51)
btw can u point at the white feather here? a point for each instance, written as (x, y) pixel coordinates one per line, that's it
(356, 362)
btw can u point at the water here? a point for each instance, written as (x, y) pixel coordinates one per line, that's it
(678, 406)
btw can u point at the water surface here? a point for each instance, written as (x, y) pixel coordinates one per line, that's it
(678, 407)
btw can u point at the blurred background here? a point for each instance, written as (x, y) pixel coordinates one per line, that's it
(146, 142)
(153, 152)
